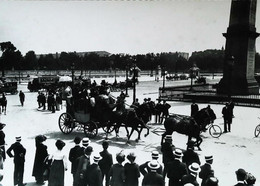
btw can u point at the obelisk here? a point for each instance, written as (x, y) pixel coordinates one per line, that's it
(239, 64)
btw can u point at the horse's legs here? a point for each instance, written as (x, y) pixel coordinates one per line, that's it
(199, 141)
(129, 136)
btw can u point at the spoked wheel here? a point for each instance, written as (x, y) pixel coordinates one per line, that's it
(107, 128)
(91, 129)
(66, 123)
(215, 131)
(257, 130)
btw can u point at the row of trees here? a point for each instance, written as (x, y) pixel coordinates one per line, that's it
(173, 62)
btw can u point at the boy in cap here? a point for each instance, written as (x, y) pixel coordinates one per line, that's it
(94, 174)
(19, 159)
(152, 177)
(74, 154)
(206, 170)
(191, 177)
(241, 175)
(106, 162)
(176, 169)
(144, 168)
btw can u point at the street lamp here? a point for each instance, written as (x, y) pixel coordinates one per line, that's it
(134, 79)
(164, 72)
(230, 64)
(72, 72)
(126, 81)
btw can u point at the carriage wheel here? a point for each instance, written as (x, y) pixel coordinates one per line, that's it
(66, 123)
(108, 129)
(215, 131)
(91, 129)
(257, 130)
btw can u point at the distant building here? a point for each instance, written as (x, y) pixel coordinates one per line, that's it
(185, 55)
(81, 54)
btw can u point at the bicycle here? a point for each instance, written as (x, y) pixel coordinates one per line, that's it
(257, 130)
(214, 130)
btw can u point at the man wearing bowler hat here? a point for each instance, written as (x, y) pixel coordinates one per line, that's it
(206, 170)
(241, 175)
(176, 169)
(74, 154)
(19, 159)
(191, 177)
(152, 177)
(83, 164)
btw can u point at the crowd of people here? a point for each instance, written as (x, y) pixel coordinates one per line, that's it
(91, 168)
(53, 100)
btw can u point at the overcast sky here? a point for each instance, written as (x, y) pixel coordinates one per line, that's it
(116, 26)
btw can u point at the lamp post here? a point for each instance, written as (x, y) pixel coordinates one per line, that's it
(230, 64)
(126, 81)
(163, 75)
(134, 79)
(72, 72)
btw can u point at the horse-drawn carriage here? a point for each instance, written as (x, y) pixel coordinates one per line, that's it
(89, 113)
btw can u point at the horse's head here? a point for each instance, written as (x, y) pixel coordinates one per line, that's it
(205, 116)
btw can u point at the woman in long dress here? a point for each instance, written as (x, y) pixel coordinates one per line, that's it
(59, 165)
(40, 155)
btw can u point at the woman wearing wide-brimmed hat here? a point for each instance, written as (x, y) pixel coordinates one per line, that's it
(41, 154)
(59, 165)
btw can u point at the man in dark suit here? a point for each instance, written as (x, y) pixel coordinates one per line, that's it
(144, 168)
(176, 169)
(74, 154)
(83, 163)
(167, 152)
(153, 178)
(19, 158)
(94, 173)
(194, 108)
(241, 177)
(191, 177)
(2, 141)
(22, 97)
(106, 162)
(190, 156)
(227, 115)
(206, 170)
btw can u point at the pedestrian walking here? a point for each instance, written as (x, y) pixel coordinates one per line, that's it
(17, 151)
(94, 174)
(132, 172)
(190, 156)
(58, 166)
(167, 152)
(194, 108)
(41, 154)
(83, 163)
(227, 115)
(176, 169)
(2, 141)
(4, 104)
(74, 154)
(22, 97)
(152, 178)
(144, 168)
(117, 171)
(206, 170)
(241, 176)
(158, 111)
(191, 177)
(106, 162)
(58, 101)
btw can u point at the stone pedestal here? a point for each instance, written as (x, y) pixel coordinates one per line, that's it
(239, 64)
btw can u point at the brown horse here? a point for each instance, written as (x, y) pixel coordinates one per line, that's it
(189, 126)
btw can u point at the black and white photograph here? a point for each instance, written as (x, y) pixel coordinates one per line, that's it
(129, 92)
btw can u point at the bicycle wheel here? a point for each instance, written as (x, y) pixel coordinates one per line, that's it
(257, 130)
(215, 131)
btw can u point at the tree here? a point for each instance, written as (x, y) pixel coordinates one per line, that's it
(30, 61)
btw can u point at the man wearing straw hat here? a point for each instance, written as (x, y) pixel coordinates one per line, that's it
(167, 151)
(19, 159)
(176, 169)
(206, 170)
(152, 177)
(94, 174)
(144, 168)
(191, 177)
